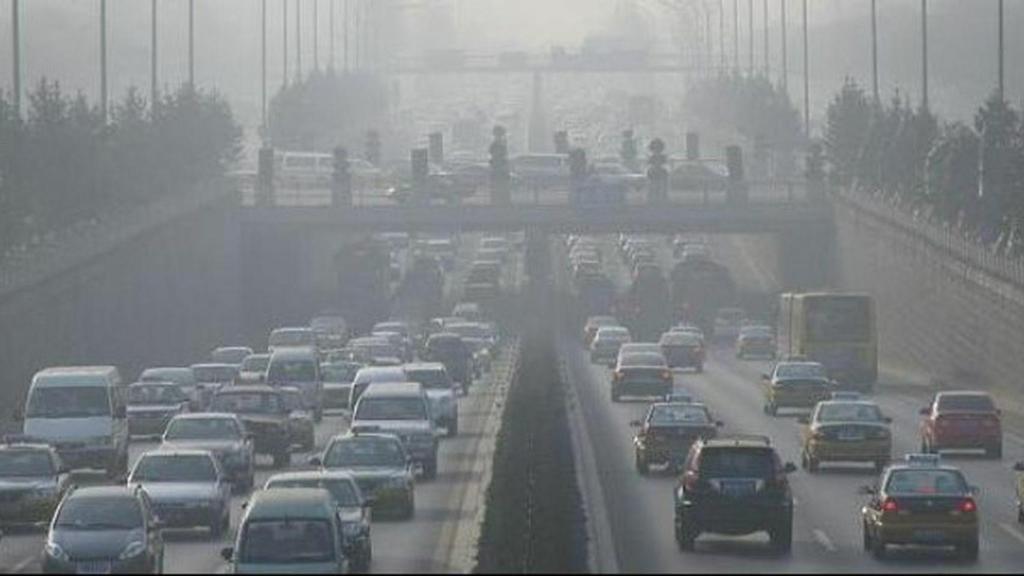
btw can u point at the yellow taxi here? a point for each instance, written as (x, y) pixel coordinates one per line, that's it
(921, 502)
(845, 431)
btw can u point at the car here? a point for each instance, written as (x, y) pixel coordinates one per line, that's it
(755, 341)
(330, 330)
(683, 350)
(82, 412)
(688, 329)
(230, 354)
(353, 510)
(451, 350)
(299, 367)
(799, 385)
(151, 405)
(921, 502)
(845, 431)
(957, 420)
(293, 337)
(32, 482)
(641, 374)
(183, 376)
(297, 528)
(104, 529)
(735, 486)
(592, 325)
(468, 311)
(381, 467)
(253, 369)
(402, 409)
(728, 322)
(480, 330)
(605, 345)
(371, 374)
(395, 339)
(440, 390)
(211, 377)
(222, 434)
(265, 415)
(404, 331)
(338, 376)
(186, 488)
(375, 350)
(667, 432)
(301, 430)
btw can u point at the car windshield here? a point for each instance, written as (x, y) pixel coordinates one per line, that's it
(680, 339)
(343, 492)
(215, 374)
(340, 372)
(469, 330)
(180, 376)
(391, 409)
(851, 412)
(68, 402)
(23, 463)
(612, 335)
(247, 403)
(645, 359)
(256, 363)
(736, 463)
(800, 371)
(292, 371)
(679, 414)
(912, 482)
(155, 394)
(358, 452)
(174, 468)
(286, 541)
(292, 338)
(966, 402)
(94, 513)
(431, 379)
(202, 429)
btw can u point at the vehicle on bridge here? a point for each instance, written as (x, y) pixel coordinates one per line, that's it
(265, 416)
(223, 435)
(958, 420)
(845, 431)
(667, 432)
(381, 467)
(151, 405)
(33, 480)
(186, 488)
(921, 502)
(542, 170)
(837, 330)
(795, 385)
(734, 485)
(300, 368)
(402, 409)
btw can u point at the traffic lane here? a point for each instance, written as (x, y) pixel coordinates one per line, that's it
(828, 502)
(640, 507)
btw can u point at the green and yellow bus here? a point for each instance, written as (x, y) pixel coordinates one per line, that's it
(837, 330)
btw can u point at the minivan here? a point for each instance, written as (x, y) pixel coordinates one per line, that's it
(82, 411)
(299, 367)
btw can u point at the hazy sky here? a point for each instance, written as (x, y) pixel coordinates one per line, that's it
(60, 40)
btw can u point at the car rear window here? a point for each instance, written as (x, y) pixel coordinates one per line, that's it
(643, 359)
(926, 483)
(852, 412)
(800, 371)
(292, 370)
(736, 463)
(679, 414)
(287, 541)
(968, 402)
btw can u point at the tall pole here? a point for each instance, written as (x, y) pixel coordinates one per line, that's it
(721, 36)
(1002, 54)
(330, 61)
(357, 36)
(767, 60)
(192, 43)
(874, 50)
(736, 35)
(316, 35)
(16, 52)
(284, 41)
(807, 79)
(153, 81)
(263, 67)
(924, 54)
(785, 49)
(750, 23)
(103, 58)
(709, 46)
(298, 41)
(347, 6)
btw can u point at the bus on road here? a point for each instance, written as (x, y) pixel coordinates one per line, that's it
(837, 330)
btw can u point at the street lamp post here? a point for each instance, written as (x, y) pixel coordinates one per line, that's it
(924, 54)
(874, 49)
(153, 55)
(807, 80)
(103, 58)
(192, 43)
(785, 48)
(16, 55)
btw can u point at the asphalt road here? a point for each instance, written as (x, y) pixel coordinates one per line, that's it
(636, 513)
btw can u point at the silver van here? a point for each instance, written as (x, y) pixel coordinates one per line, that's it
(82, 412)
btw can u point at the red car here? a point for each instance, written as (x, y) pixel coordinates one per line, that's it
(962, 420)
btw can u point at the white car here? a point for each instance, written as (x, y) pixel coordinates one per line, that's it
(187, 489)
(441, 392)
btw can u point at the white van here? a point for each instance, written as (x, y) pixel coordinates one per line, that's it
(82, 412)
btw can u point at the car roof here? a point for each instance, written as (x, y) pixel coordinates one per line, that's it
(963, 393)
(248, 388)
(312, 475)
(291, 329)
(168, 370)
(423, 366)
(231, 348)
(176, 453)
(291, 503)
(215, 365)
(74, 376)
(738, 441)
(294, 353)
(206, 416)
(109, 491)
(257, 355)
(390, 389)
(150, 383)
(27, 447)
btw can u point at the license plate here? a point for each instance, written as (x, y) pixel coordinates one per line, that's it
(96, 567)
(737, 488)
(928, 535)
(851, 435)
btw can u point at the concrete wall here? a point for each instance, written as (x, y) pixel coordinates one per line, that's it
(938, 316)
(162, 298)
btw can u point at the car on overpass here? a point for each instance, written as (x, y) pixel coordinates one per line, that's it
(223, 435)
(381, 467)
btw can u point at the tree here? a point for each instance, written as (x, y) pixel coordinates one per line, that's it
(952, 176)
(846, 129)
(1002, 155)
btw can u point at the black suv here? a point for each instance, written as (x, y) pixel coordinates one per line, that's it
(265, 413)
(734, 485)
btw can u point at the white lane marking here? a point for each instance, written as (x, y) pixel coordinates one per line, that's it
(1014, 438)
(21, 566)
(1012, 531)
(824, 540)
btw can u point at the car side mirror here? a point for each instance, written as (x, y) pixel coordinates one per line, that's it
(866, 491)
(924, 411)
(1019, 466)
(315, 461)
(789, 468)
(227, 554)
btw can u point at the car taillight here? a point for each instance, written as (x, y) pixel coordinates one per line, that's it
(890, 505)
(967, 506)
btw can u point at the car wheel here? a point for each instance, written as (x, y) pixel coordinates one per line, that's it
(878, 548)
(782, 538)
(969, 550)
(641, 465)
(453, 428)
(430, 468)
(995, 451)
(867, 537)
(813, 464)
(686, 536)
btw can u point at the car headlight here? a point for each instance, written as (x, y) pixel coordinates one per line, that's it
(53, 550)
(133, 549)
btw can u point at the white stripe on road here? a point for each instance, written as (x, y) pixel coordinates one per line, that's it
(824, 540)
(1012, 531)
(23, 565)
(1015, 438)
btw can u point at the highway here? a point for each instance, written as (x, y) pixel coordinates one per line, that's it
(635, 513)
